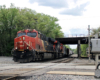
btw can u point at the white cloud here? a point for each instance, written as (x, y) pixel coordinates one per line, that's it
(51, 3)
(76, 11)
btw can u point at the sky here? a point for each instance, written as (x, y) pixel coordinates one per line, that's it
(74, 15)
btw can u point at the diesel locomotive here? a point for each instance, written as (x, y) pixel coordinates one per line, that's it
(31, 45)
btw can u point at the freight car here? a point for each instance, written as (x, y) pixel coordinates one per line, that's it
(68, 52)
(31, 45)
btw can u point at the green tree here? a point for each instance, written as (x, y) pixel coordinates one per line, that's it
(67, 46)
(95, 30)
(7, 24)
(83, 49)
(75, 51)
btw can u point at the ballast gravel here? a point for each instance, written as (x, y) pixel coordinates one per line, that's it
(7, 61)
(61, 77)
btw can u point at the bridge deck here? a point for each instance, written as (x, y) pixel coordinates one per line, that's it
(73, 40)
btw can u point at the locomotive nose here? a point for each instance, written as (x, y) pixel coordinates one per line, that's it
(20, 44)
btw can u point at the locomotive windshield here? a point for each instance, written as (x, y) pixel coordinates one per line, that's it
(31, 34)
(20, 34)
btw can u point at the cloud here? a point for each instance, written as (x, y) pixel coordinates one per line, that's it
(51, 3)
(75, 1)
(77, 11)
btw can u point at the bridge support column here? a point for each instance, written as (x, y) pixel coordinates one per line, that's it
(79, 49)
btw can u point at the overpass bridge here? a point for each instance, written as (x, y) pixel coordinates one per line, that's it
(74, 40)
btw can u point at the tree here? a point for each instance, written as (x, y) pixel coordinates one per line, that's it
(7, 24)
(67, 46)
(95, 30)
(75, 51)
(83, 49)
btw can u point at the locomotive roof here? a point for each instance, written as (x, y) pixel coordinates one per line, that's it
(26, 30)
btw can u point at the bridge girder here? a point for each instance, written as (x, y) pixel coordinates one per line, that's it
(73, 40)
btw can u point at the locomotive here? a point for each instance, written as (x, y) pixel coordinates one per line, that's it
(31, 45)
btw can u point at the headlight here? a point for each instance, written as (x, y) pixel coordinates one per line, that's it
(23, 38)
(16, 47)
(27, 47)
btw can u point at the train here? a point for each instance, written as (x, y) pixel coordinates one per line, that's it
(31, 45)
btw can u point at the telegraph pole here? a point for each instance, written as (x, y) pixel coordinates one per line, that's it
(89, 41)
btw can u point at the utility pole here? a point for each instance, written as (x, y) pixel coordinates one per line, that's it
(89, 41)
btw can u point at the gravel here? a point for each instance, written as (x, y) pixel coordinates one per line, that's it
(61, 77)
(78, 70)
(7, 61)
(82, 61)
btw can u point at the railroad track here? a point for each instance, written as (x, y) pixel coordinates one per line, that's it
(9, 78)
(66, 60)
(14, 73)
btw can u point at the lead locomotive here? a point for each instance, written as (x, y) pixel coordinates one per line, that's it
(31, 45)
